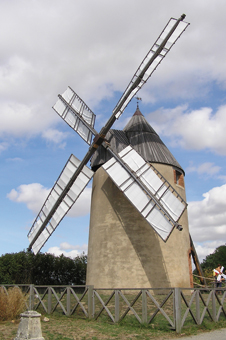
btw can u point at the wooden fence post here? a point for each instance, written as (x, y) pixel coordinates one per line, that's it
(90, 302)
(116, 306)
(177, 309)
(214, 305)
(68, 301)
(197, 306)
(144, 306)
(49, 307)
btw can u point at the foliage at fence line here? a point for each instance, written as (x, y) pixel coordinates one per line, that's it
(12, 303)
(218, 256)
(42, 269)
(210, 262)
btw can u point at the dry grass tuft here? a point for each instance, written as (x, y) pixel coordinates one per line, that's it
(12, 303)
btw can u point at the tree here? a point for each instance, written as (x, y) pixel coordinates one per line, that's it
(80, 265)
(211, 261)
(15, 268)
(42, 269)
(218, 257)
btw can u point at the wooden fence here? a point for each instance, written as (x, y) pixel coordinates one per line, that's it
(176, 307)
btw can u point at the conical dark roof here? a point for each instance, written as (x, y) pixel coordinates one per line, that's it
(138, 124)
(143, 139)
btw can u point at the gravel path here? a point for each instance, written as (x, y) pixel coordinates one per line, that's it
(219, 334)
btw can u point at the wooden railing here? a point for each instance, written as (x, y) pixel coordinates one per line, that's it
(176, 307)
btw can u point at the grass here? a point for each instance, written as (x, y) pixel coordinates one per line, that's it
(72, 328)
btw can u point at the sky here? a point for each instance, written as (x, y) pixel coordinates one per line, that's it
(95, 47)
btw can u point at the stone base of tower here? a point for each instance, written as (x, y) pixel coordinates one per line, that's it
(124, 251)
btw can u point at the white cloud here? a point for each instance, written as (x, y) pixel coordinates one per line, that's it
(195, 129)
(21, 120)
(13, 73)
(207, 220)
(68, 250)
(35, 194)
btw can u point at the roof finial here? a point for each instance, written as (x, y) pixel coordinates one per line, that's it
(138, 98)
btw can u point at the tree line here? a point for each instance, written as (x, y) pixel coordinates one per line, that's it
(47, 269)
(211, 261)
(42, 269)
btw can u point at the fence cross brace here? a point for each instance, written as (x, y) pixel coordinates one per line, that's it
(79, 301)
(130, 306)
(188, 309)
(104, 305)
(206, 305)
(221, 307)
(40, 298)
(159, 307)
(59, 300)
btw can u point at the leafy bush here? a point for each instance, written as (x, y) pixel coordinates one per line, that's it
(12, 303)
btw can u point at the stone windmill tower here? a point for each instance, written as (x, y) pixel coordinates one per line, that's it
(123, 250)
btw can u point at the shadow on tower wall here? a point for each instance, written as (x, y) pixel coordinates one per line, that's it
(145, 241)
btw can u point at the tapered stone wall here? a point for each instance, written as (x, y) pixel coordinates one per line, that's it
(124, 251)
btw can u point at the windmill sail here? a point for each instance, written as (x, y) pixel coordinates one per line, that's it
(76, 114)
(168, 37)
(153, 197)
(44, 226)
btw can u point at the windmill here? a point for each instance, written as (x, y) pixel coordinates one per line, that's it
(143, 185)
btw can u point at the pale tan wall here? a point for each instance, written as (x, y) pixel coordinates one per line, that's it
(124, 251)
(176, 249)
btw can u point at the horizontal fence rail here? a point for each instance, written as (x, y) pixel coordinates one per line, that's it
(176, 307)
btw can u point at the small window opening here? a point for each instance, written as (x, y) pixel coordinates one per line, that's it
(178, 178)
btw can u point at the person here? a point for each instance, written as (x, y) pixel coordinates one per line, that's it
(218, 273)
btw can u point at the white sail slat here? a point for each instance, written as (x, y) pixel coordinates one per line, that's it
(155, 199)
(72, 109)
(151, 62)
(67, 202)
